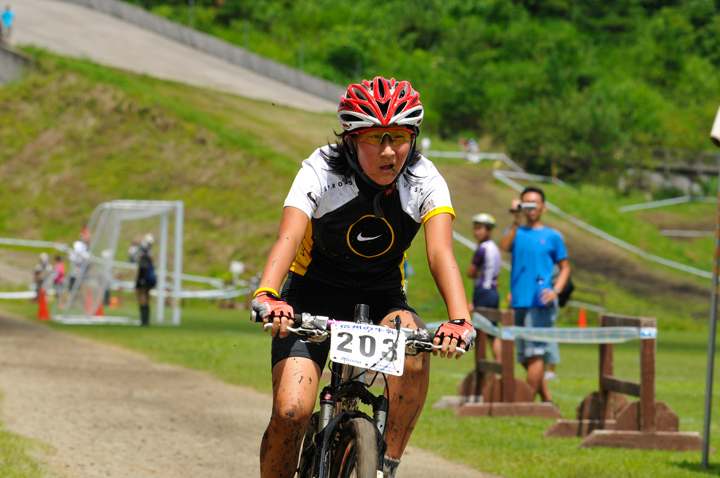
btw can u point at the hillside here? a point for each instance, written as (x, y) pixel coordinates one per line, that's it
(579, 85)
(75, 134)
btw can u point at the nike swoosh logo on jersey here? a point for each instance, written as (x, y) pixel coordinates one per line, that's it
(362, 238)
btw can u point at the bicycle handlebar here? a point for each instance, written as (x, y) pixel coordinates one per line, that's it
(316, 328)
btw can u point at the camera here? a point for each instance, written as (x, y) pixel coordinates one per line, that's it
(525, 206)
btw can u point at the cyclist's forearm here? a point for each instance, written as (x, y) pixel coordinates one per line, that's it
(443, 266)
(450, 286)
(290, 233)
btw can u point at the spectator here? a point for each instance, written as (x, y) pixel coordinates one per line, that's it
(6, 24)
(473, 151)
(77, 260)
(42, 271)
(484, 270)
(146, 278)
(535, 250)
(552, 353)
(58, 276)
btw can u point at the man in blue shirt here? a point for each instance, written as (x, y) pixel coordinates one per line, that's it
(535, 250)
(6, 25)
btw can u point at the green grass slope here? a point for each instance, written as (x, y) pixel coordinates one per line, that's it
(75, 134)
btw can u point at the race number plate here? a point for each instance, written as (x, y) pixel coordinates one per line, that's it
(368, 346)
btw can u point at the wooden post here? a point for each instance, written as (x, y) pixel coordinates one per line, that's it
(480, 355)
(647, 380)
(508, 360)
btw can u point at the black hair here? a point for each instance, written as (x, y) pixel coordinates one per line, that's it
(338, 162)
(533, 189)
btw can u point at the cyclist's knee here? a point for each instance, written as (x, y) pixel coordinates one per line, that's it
(408, 319)
(292, 417)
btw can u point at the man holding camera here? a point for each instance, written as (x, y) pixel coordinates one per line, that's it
(535, 250)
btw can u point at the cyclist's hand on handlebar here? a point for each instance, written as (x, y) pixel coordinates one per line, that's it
(453, 334)
(268, 308)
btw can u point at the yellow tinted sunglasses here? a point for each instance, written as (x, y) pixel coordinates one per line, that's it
(376, 136)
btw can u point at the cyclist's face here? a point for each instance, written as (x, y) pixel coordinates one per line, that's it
(381, 163)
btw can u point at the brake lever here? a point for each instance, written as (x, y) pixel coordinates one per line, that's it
(312, 334)
(414, 346)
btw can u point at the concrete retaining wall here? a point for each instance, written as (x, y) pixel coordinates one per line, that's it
(13, 65)
(216, 47)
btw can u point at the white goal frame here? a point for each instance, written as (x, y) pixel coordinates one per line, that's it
(112, 215)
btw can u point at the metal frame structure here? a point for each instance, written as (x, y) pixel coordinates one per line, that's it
(105, 216)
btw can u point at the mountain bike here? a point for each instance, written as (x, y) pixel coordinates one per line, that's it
(342, 441)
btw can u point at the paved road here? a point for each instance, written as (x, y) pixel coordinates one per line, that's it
(76, 31)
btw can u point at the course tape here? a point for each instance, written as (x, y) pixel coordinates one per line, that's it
(566, 335)
(29, 294)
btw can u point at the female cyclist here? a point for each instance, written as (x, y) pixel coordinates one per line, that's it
(352, 212)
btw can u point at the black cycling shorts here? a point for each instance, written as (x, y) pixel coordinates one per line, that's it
(319, 299)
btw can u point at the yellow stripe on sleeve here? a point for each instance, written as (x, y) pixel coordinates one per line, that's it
(439, 210)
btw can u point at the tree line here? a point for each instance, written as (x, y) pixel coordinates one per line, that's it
(578, 86)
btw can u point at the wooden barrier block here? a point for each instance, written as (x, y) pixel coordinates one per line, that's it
(666, 420)
(493, 390)
(675, 441)
(591, 407)
(577, 428)
(469, 385)
(501, 409)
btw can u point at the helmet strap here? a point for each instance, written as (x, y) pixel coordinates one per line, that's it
(352, 159)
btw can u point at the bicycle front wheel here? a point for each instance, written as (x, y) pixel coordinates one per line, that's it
(356, 453)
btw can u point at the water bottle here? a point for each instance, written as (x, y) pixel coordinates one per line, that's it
(537, 302)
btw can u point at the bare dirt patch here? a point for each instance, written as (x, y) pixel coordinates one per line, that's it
(109, 412)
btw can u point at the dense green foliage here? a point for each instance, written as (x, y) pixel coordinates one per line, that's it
(587, 85)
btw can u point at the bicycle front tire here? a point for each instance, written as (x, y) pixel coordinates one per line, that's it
(355, 454)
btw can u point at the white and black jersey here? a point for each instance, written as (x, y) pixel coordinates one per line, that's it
(346, 245)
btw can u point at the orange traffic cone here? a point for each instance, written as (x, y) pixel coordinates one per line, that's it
(582, 321)
(43, 313)
(99, 311)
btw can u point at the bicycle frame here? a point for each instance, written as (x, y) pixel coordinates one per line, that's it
(326, 434)
(339, 405)
(336, 410)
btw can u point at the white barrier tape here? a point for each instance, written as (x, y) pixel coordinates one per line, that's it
(7, 241)
(203, 294)
(481, 322)
(30, 294)
(586, 335)
(566, 335)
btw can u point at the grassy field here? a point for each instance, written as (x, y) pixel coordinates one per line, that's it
(225, 344)
(19, 456)
(232, 160)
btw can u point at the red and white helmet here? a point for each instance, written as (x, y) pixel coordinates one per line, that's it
(380, 103)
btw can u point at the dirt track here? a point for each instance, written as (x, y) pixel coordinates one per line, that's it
(109, 412)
